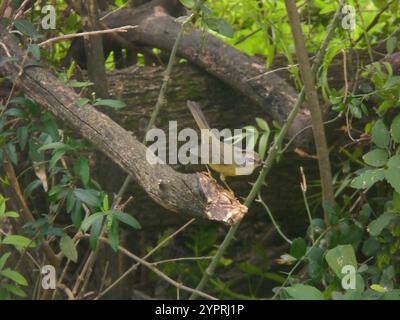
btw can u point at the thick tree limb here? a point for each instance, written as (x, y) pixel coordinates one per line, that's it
(94, 45)
(158, 29)
(194, 194)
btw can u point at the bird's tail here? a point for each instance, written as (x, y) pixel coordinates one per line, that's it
(198, 115)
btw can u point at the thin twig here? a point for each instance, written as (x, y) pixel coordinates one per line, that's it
(135, 266)
(181, 259)
(150, 266)
(260, 200)
(272, 71)
(303, 187)
(161, 100)
(84, 34)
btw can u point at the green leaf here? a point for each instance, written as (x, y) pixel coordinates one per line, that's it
(395, 129)
(83, 101)
(339, 257)
(370, 247)
(219, 25)
(95, 232)
(378, 288)
(332, 211)
(376, 226)
(31, 187)
(68, 248)
(391, 82)
(125, 218)
(376, 157)
(113, 234)
(54, 191)
(54, 145)
(206, 11)
(3, 259)
(2, 205)
(115, 104)
(380, 134)
(105, 204)
(56, 157)
(392, 173)
(11, 214)
(391, 45)
(14, 276)
(15, 290)
(298, 248)
(76, 213)
(18, 241)
(88, 196)
(367, 178)
(26, 28)
(81, 168)
(88, 221)
(79, 84)
(188, 3)
(304, 292)
(22, 136)
(263, 125)
(385, 105)
(263, 144)
(4, 60)
(12, 153)
(21, 101)
(35, 50)
(355, 111)
(70, 201)
(15, 112)
(34, 154)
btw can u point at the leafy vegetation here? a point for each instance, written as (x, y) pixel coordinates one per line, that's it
(360, 236)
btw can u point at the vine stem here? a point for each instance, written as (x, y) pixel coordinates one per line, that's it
(278, 229)
(274, 151)
(311, 93)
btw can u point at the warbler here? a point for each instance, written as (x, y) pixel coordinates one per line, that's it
(233, 160)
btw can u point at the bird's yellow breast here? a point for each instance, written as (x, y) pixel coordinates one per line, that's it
(231, 170)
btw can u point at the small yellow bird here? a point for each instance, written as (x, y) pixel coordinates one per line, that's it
(249, 159)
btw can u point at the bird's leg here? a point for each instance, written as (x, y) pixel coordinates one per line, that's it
(223, 179)
(209, 172)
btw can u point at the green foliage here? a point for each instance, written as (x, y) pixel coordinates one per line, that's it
(68, 189)
(11, 280)
(361, 231)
